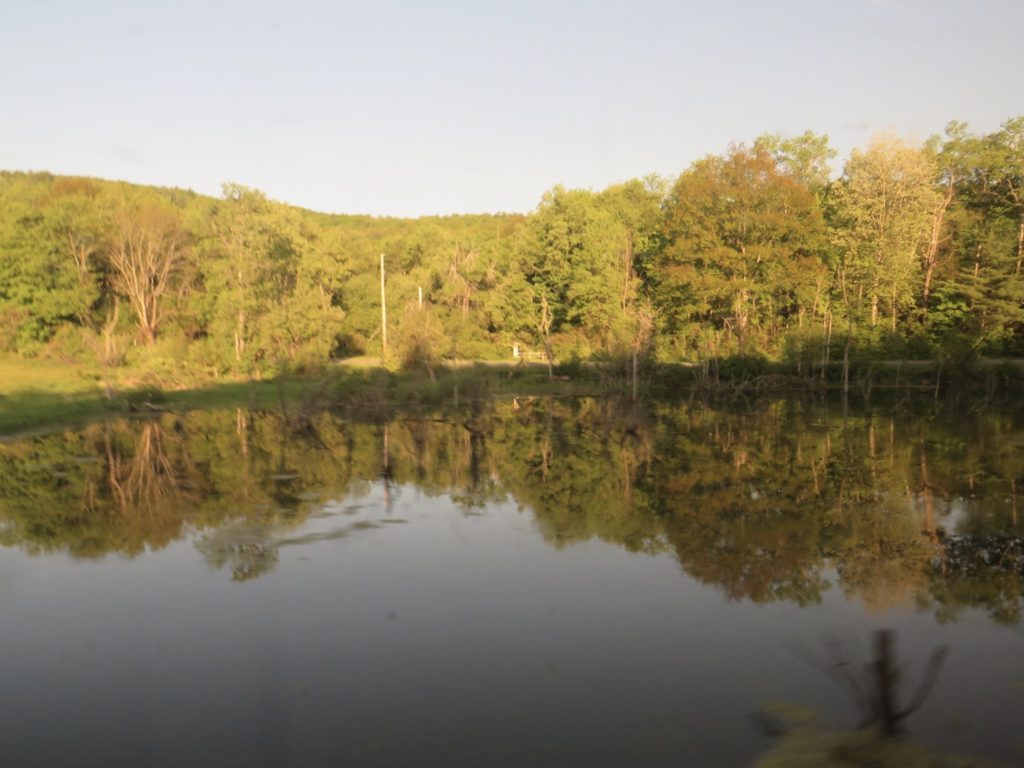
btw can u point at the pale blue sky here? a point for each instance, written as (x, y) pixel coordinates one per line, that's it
(418, 108)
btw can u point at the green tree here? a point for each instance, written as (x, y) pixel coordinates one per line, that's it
(981, 287)
(272, 283)
(239, 271)
(807, 157)
(582, 254)
(52, 271)
(743, 243)
(884, 205)
(74, 217)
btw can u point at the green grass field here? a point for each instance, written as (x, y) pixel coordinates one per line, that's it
(41, 396)
(46, 376)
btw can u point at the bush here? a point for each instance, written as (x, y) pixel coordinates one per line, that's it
(163, 364)
(479, 349)
(11, 320)
(573, 368)
(72, 343)
(420, 341)
(738, 368)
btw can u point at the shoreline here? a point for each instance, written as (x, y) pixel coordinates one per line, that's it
(57, 400)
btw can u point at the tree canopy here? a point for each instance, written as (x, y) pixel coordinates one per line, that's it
(912, 251)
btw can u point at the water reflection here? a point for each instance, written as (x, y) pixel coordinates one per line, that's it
(876, 687)
(532, 582)
(777, 502)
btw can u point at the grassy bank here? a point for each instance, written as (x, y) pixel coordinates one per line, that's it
(43, 396)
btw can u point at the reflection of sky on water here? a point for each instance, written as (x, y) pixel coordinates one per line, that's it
(568, 584)
(448, 638)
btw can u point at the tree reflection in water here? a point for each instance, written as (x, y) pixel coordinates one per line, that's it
(774, 501)
(880, 739)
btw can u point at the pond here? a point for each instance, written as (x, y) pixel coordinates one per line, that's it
(529, 582)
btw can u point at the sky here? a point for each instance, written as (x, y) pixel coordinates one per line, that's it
(419, 108)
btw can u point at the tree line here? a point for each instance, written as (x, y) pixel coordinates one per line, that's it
(915, 251)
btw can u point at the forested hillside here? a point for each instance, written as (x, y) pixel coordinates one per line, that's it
(913, 252)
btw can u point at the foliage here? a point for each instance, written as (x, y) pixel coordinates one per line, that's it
(883, 207)
(744, 245)
(757, 251)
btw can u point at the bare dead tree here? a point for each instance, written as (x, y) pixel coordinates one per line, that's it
(147, 247)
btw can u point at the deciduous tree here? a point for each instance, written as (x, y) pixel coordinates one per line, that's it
(884, 205)
(147, 245)
(743, 241)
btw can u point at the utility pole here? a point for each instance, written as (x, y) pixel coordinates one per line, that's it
(383, 313)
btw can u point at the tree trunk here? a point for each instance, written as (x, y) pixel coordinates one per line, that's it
(240, 285)
(741, 312)
(383, 314)
(826, 351)
(846, 364)
(634, 374)
(1020, 246)
(545, 327)
(240, 335)
(932, 252)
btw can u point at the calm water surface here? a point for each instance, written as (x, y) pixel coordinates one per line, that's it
(538, 582)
